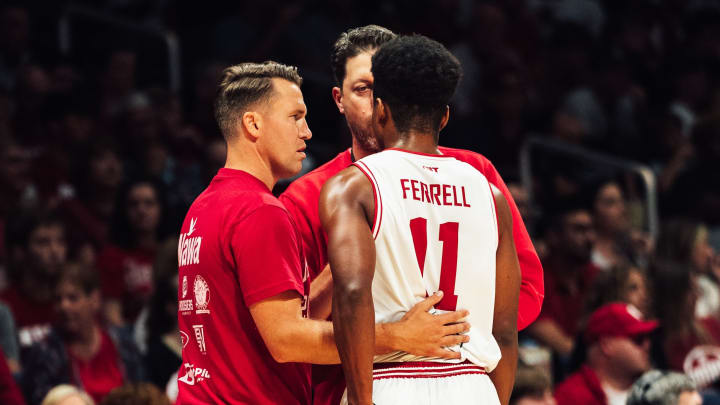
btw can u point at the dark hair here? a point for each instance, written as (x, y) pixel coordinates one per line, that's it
(353, 42)
(530, 382)
(80, 276)
(610, 286)
(136, 394)
(245, 84)
(677, 240)
(416, 77)
(121, 232)
(21, 225)
(672, 285)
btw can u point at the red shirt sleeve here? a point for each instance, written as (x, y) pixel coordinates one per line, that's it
(267, 255)
(532, 290)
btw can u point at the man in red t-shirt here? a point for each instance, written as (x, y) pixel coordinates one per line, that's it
(243, 281)
(351, 63)
(618, 353)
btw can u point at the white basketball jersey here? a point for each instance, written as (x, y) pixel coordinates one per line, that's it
(435, 228)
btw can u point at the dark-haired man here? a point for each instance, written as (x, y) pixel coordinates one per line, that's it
(353, 96)
(243, 284)
(409, 220)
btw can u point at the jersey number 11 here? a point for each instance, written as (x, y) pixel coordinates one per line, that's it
(448, 265)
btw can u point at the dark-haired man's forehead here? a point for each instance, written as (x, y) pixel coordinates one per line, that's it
(358, 68)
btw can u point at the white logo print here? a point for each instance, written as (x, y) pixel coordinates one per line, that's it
(184, 339)
(202, 295)
(193, 221)
(184, 287)
(194, 374)
(200, 337)
(189, 248)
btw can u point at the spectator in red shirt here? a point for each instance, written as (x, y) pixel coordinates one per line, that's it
(37, 247)
(78, 350)
(126, 266)
(618, 353)
(568, 277)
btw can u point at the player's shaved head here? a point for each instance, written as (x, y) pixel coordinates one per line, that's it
(244, 86)
(416, 77)
(355, 41)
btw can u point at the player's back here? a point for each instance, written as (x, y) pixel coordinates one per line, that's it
(435, 228)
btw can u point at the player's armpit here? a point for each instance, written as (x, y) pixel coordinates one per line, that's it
(507, 289)
(424, 334)
(288, 336)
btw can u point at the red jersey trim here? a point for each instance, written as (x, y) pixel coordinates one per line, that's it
(377, 216)
(421, 153)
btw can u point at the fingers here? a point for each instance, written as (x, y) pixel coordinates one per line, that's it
(456, 328)
(452, 317)
(453, 340)
(426, 304)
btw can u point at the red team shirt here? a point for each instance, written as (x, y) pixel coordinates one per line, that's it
(301, 200)
(238, 246)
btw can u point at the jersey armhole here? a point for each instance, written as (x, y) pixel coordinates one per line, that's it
(493, 206)
(377, 215)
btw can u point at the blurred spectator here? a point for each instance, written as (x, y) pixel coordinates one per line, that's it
(612, 227)
(9, 339)
(79, 350)
(684, 342)
(532, 387)
(664, 388)
(618, 352)
(65, 394)
(164, 354)
(622, 283)
(9, 392)
(136, 394)
(686, 242)
(126, 265)
(569, 274)
(37, 251)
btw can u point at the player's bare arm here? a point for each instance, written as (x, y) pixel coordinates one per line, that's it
(507, 289)
(346, 211)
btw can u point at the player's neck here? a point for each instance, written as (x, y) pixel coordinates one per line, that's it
(250, 161)
(416, 141)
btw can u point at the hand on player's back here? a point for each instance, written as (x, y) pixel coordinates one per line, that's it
(421, 333)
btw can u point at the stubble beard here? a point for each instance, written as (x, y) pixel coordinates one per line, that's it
(365, 138)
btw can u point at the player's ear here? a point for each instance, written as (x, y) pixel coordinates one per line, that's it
(251, 123)
(382, 112)
(337, 98)
(445, 118)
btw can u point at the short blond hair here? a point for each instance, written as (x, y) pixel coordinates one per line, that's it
(244, 85)
(64, 391)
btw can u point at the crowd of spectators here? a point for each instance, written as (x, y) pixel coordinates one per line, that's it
(101, 155)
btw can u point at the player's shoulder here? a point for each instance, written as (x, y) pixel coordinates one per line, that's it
(308, 186)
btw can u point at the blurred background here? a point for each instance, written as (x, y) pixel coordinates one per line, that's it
(602, 116)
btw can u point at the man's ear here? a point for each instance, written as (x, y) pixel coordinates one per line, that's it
(445, 118)
(337, 96)
(251, 123)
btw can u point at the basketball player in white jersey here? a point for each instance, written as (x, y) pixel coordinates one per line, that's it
(409, 221)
